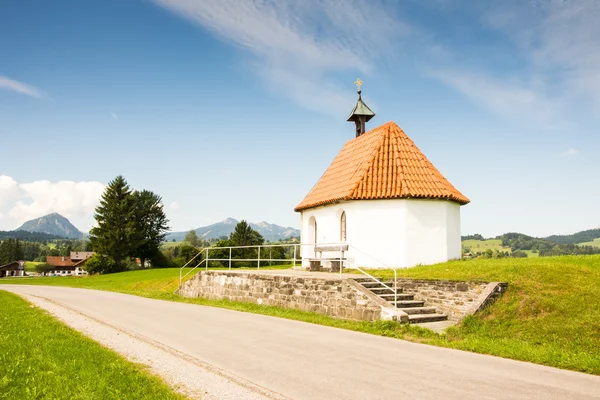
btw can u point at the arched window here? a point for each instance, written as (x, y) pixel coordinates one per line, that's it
(343, 227)
(312, 230)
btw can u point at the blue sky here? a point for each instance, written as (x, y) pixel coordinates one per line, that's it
(229, 108)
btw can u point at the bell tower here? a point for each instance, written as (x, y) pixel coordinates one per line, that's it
(361, 114)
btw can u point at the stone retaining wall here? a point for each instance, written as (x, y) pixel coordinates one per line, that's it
(336, 298)
(340, 298)
(455, 299)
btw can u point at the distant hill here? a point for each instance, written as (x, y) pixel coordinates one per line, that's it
(579, 237)
(270, 232)
(584, 242)
(52, 224)
(28, 236)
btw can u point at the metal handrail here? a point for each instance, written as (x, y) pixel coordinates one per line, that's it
(395, 289)
(207, 259)
(186, 264)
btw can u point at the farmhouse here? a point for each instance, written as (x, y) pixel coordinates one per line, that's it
(72, 265)
(14, 268)
(381, 203)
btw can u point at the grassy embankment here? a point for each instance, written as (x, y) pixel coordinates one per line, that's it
(549, 315)
(42, 358)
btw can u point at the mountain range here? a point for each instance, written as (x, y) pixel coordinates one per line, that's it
(52, 224)
(57, 225)
(270, 232)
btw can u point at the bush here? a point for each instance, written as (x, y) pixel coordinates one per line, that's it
(99, 264)
(160, 260)
(519, 254)
(44, 267)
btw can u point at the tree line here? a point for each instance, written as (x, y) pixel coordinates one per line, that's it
(14, 249)
(29, 236)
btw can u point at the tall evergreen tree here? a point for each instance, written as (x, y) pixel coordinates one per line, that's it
(112, 236)
(244, 235)
(150, 225)
(192, 238)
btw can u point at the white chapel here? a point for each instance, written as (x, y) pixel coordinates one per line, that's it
(384, 200)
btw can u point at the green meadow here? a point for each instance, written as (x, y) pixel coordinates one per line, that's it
(594, 243)
(42, 358)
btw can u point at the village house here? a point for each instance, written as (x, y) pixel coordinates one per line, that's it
(15, 268)
(381, 203)
(71, 265)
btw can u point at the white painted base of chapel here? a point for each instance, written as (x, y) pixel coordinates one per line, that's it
(396, 233)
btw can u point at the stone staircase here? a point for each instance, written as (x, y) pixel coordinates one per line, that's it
(417, 311)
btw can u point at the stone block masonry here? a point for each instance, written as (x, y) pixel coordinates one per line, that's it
(340, 298)
(455, 299)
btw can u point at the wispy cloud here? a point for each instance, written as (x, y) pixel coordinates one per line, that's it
(296, 44)
(174, 205)
(20, 87)
(115, 117)
(555, 45)
(569, 153)
(509, 99)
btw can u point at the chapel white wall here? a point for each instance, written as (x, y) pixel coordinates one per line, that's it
(395, 233)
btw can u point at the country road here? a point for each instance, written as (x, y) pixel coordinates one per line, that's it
(304, 361)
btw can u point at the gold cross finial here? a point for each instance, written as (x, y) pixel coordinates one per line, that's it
(358, 83)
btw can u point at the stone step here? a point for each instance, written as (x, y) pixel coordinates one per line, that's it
(376, 284)
(382, 290)
(399, 296)
(419, 318)
(408, 303)
(419, 310)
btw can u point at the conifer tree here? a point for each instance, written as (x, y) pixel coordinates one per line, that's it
(112, 236)
(150, 225)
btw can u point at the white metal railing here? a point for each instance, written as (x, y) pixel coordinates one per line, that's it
(395, 289)
(296, 246)
(294, 258)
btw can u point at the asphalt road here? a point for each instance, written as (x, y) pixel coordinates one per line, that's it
(305, 361)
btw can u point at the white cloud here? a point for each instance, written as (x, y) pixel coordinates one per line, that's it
(9, 190)
(509, 99)
(174, 206)
(20, 87)
(554, 45)
(297, 43)
(115, 117)
(25, 201)
(570, 152)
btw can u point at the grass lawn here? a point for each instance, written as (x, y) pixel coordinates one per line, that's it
(483, 245)
(549, 315)
(595, 243)
(43, 358)
(167, 245)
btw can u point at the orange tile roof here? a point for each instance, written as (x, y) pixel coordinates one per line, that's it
(59, 261)
(383, 163)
